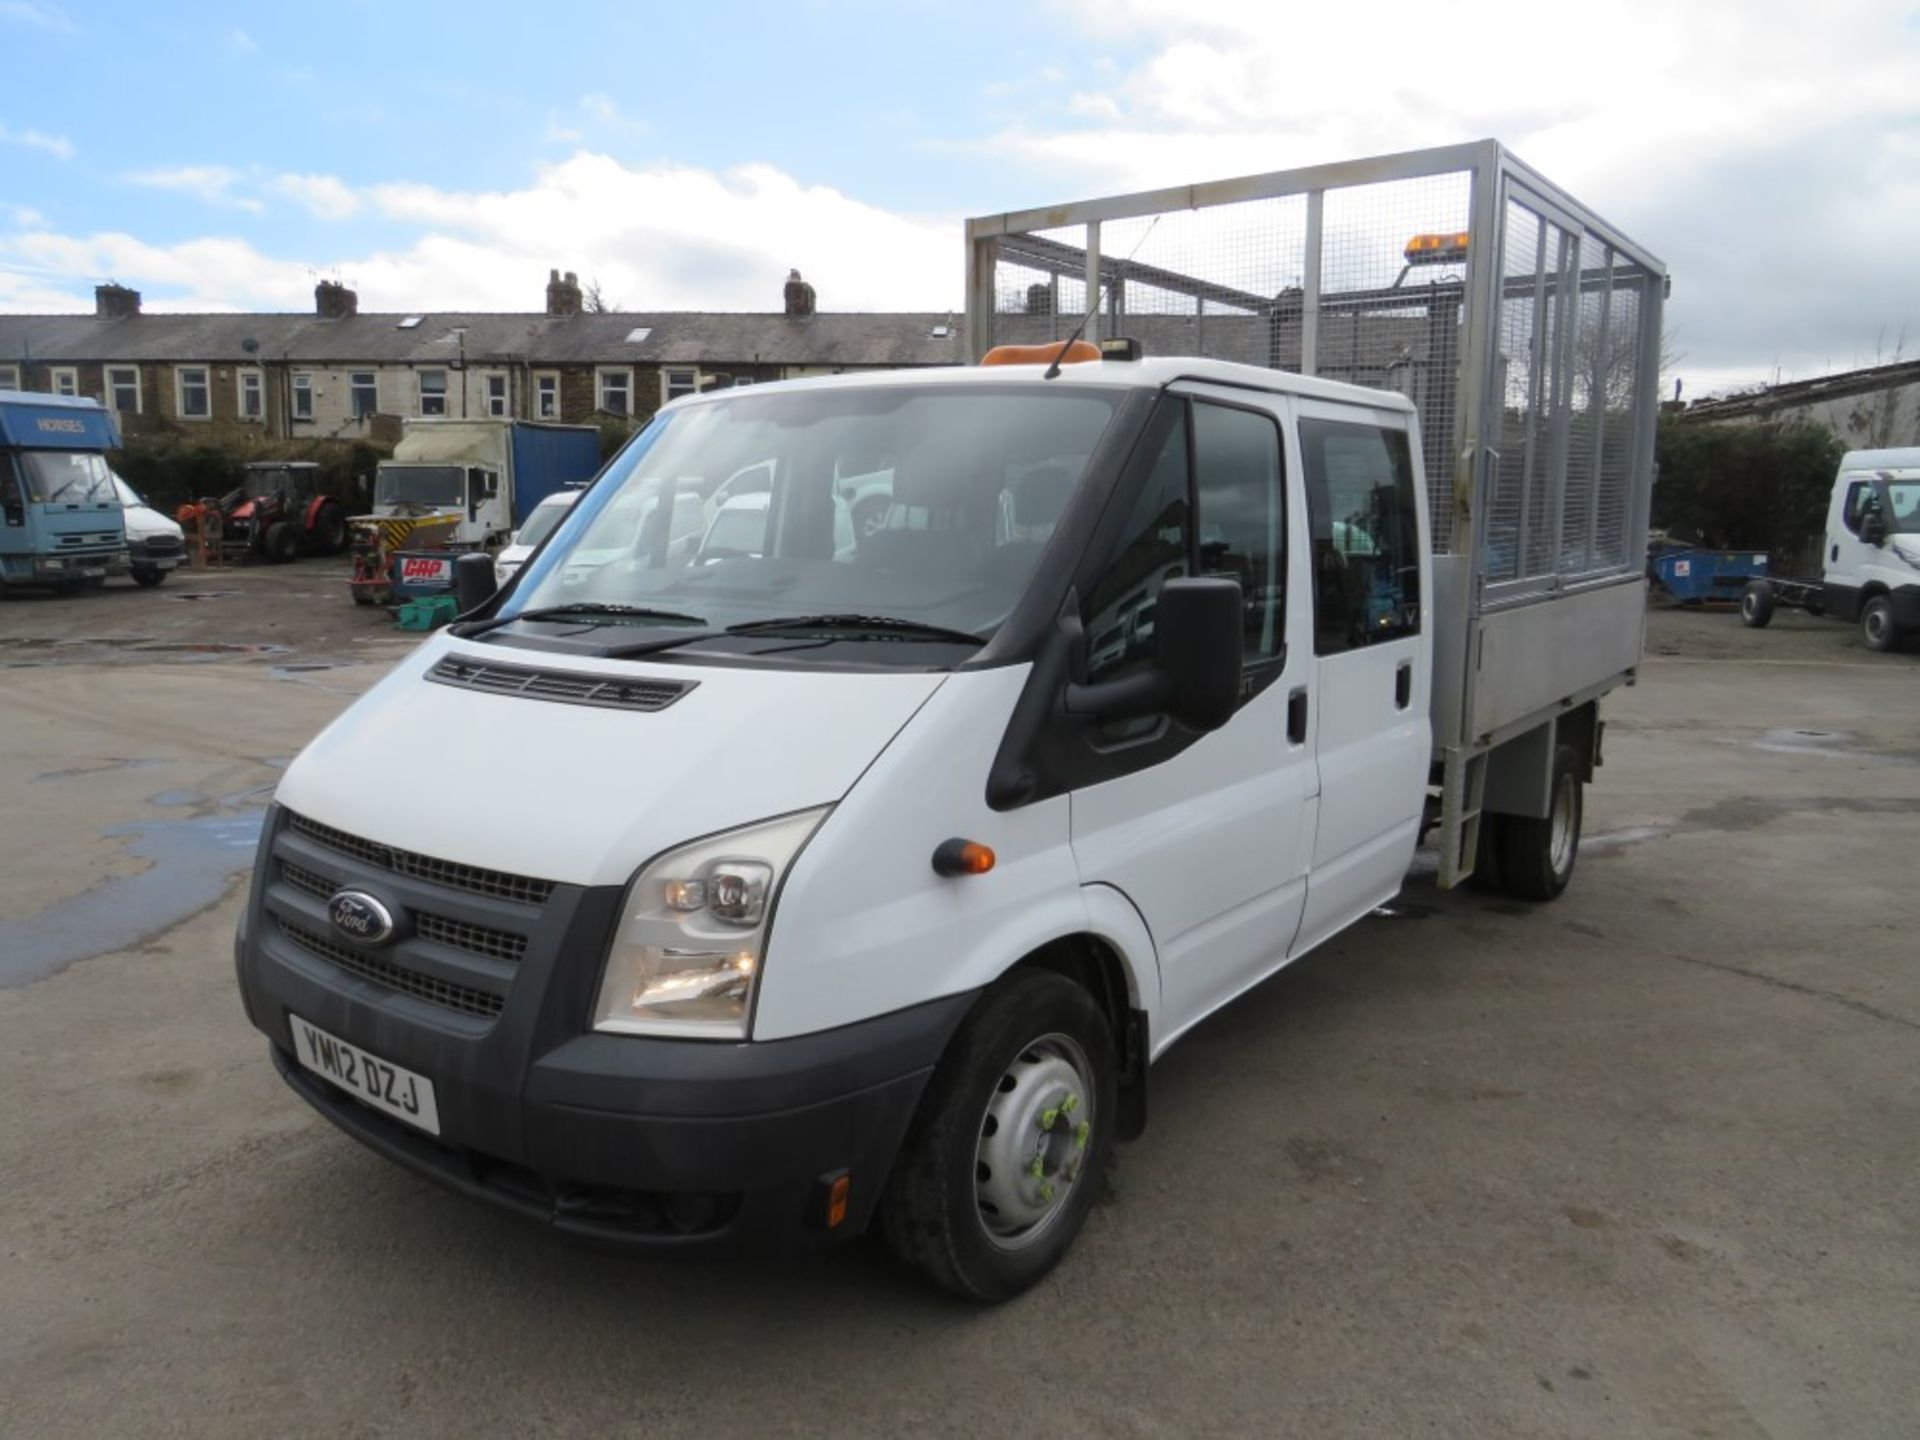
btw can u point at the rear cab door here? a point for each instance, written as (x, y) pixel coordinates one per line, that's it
(1371, 649)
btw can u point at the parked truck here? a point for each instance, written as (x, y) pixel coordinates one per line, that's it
(61, 523)
(871, 868)
(1870, 572)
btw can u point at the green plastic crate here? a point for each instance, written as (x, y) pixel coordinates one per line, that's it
(428, 613)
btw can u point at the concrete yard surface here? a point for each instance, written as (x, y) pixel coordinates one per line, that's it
(1644, 1161)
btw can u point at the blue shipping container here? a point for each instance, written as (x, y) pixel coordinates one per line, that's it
(547, 458)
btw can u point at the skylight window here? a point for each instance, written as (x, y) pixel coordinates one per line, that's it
(410, 322)
(940, 332)
(638, 333)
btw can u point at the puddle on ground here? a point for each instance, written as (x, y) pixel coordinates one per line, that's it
(304, 667)
(1805, 742)
(198, 594)
(1632, 835)
(105, 767)
(192, 861)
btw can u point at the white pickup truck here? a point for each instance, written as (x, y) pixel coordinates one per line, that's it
(860, 885)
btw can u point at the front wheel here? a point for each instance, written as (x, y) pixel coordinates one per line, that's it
(147, 576)
(1537, 855)
(281, 543)
(1876, 625)
(1006, 1152)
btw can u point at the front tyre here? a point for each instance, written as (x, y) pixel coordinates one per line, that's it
(148, 576)
(1006, 1152)
(1537, 855)
(1877, 630)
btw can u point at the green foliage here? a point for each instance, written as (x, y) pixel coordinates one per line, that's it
(1744, 487)
(168, 472)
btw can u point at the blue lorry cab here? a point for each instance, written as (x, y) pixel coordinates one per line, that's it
(61, 523)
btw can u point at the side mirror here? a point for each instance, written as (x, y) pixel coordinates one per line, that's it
(1873, 528)
(473, 582)
(1198, 634)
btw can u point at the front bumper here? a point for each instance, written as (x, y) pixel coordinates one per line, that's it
(668, 1145)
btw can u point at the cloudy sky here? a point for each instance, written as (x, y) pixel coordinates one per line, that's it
(223, 157)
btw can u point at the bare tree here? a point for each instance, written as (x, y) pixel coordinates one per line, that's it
(1876, 415)
(594, 301)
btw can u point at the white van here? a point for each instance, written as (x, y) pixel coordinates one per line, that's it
(860, 884)
(156, 545)
(1872, 568)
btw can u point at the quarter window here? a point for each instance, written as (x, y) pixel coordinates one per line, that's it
(195, 395)
(303, 397)
(616, 392)
(123, 389)
(433, 392)
(363, 388)
(1366, 534)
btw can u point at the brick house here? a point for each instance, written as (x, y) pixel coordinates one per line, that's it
(336, 373)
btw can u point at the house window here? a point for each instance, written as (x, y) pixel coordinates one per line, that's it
(123, 389)
(253, 404)
(616, 391)
(433, 392)
(740, 380)
(364, 390)
(546, 397)
(193, 394)
(675, 383)
(66, 380)
(303, 397)
(497, 405)
(9, 377)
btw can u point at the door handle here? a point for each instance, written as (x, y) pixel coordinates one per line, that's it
(1297, 716)
(1403, 685)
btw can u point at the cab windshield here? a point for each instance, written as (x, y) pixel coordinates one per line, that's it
(921, 504)
(442, 485)
(68, 477)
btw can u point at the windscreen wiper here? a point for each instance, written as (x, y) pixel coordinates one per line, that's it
(879, 627)
(591, 609)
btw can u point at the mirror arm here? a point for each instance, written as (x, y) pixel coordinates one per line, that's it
(1147, 693)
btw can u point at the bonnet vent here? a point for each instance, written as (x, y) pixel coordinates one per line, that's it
(570, 687)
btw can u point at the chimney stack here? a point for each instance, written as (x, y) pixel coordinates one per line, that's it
(115, 302)
(334, 301)
(1039, 298)
(563, 296)
(799, 295)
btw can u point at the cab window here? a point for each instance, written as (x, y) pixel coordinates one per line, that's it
(1213, 504)
(1861, 502)
(1366, 534)
(13, 507)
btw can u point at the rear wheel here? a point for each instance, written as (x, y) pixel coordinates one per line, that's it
(1877, 630)
(1756, 604)
(1537, 854)
(1006, 1152)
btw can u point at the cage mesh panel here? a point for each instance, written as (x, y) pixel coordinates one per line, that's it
(1592, 382)
(1620, 423)
(1392, 326)
(1039, 285)
(1545, 457)
(1514, 339)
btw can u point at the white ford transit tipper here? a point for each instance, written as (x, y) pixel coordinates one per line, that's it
(870, 872)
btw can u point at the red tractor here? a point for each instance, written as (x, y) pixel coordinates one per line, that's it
(280, 513)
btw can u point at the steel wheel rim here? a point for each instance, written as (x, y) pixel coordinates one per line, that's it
(1749, 606)
(1560, 835)
(1035, 1135)
(1876, 623)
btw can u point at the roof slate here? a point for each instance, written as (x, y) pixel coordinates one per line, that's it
(674, 337)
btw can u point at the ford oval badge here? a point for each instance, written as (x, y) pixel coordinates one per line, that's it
(358, 916)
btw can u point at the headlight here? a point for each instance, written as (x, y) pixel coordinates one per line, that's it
(693, 929)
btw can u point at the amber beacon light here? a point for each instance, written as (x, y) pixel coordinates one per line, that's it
(962, 857)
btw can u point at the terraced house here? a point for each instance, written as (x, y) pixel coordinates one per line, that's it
(334, 374)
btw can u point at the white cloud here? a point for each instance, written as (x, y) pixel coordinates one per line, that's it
(25, 217)
(243, 42)
(325, 195)
(661, 238)
(211, 183)
(1765, 149)
(41, 17)
(56, 145)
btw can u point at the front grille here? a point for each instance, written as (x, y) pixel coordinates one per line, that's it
(161, 545)
(460, 935)
(616, 692)
(497, 883)
(465, 999)
(69, 542)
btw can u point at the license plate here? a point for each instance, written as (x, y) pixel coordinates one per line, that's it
(388, 1087)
